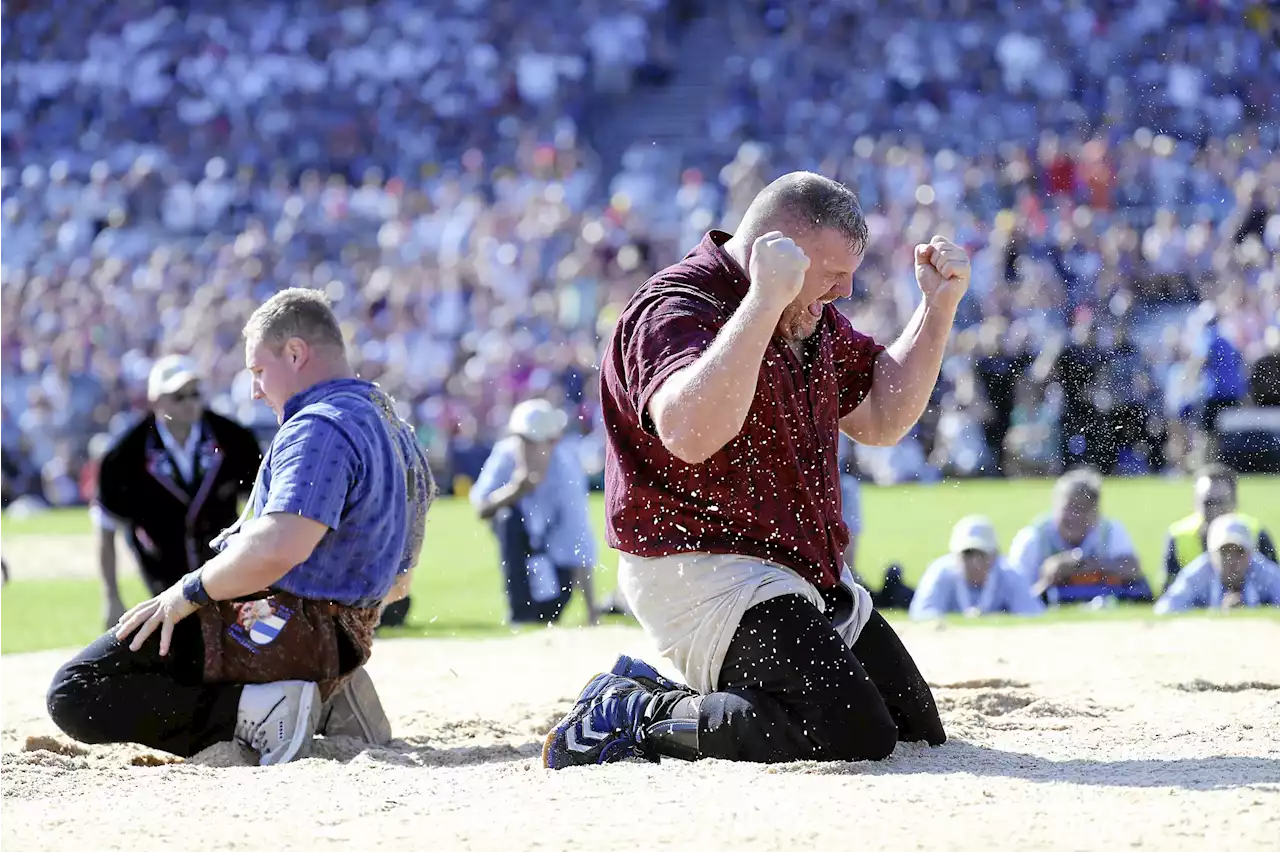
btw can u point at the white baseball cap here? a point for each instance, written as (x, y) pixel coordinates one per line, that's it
(974, 532)
(1229, 529)
(170, 374)
(537, 420)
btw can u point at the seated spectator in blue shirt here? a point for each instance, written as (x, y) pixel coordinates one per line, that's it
(533, 489)
(973, 579)
(1232, 573)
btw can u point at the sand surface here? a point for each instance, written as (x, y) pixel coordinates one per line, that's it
(1120, 735)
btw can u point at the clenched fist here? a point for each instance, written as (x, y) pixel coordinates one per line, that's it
(942, 270)
(777, 270)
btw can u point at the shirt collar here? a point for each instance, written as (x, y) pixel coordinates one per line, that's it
(171, 443)
(735, 276)
(319, 391)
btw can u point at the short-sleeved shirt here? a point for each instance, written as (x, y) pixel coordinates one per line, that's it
(555, 511)
(1199, 585)
(1106, 541)
(343, 457)
(773, 492)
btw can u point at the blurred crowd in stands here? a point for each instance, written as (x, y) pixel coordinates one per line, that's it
(434, 169)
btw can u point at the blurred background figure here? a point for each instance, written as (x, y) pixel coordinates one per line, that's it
(170, 484)
(1215, 495)
(1229, 574)
(1073, 553)
(533, 491)
(973, 578)
(478, 191)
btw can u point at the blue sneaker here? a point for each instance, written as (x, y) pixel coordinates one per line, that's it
(606, 724)
(645, 675)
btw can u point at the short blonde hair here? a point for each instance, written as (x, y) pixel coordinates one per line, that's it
(295, 312)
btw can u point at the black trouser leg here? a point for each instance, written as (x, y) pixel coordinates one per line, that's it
(109, 694)
(792, 690)
(513, 552)
(550, 611)
(905, 691)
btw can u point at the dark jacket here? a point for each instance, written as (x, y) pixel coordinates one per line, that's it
(167, 521)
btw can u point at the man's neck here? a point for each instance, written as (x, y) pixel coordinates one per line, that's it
(179, 431)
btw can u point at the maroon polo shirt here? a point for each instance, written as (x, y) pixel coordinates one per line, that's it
(772, 492)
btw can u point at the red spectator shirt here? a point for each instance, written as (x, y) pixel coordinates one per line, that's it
(773, 492)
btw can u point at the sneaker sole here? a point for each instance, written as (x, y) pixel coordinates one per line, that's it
(300, 743)
(549, 750)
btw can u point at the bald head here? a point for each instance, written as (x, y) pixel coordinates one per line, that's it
(801, 203)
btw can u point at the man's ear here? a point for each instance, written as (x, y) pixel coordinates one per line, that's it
(295, 352)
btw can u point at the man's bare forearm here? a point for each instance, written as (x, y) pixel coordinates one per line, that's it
(500, 499)
(248, 564)
(905, 374)
(702, 407)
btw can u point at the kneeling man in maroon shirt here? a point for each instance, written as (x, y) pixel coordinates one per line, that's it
(724, 386)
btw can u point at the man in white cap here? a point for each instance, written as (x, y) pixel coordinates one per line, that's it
(170, 483)
(973, 579)
(1230, 574)
(534, 491)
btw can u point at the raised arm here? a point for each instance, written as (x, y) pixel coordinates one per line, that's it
(702, 406)
(907, 370)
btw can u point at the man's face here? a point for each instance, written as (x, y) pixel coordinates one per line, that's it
(1076, 516)
(977, 566)
(183, 407)
(832, 264)
(274, 378)
(1232, 563)
(1214, 498)
(537, 454)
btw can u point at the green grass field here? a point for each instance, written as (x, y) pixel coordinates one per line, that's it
(457, 589)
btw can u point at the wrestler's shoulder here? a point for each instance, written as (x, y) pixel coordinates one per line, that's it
(683, 286)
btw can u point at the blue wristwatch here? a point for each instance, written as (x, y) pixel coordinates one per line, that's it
(193, 588)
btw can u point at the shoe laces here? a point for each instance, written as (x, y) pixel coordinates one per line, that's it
(256, 734)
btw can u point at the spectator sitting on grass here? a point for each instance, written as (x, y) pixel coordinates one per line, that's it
(973, 579)
(1231, 574)
(1216, 495)
(1072, 554)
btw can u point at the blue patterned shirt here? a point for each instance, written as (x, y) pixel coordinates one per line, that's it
(343, 457)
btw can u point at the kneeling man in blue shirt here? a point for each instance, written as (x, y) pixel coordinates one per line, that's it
(287, 608)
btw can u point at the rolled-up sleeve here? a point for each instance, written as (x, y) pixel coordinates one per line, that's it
(313, 470)
(670, 335)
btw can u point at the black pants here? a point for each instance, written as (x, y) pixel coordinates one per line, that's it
(109, 694)
(790, 689)
(514, 548)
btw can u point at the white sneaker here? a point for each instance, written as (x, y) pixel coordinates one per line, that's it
(277, 720)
